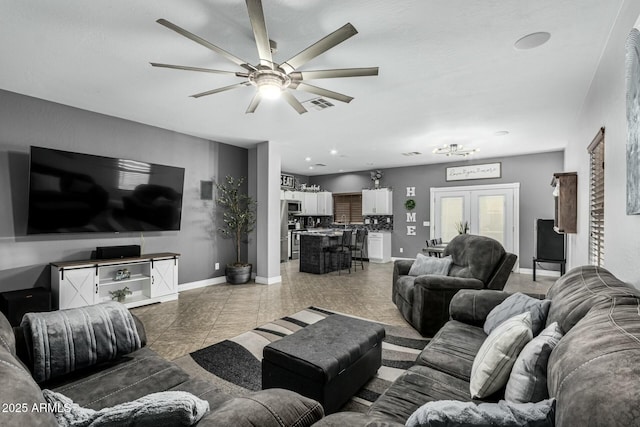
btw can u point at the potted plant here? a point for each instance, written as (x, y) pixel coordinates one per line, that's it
(120, 294)
(462, 227)
(239, 219)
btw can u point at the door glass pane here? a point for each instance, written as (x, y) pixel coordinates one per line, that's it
(451, 213)
(491, 217)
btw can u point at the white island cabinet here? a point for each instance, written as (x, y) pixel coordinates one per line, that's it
(150, 279)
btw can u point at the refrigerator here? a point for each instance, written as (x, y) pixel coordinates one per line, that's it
(284, 231)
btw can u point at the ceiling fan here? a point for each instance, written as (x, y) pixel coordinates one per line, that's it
(272, 79)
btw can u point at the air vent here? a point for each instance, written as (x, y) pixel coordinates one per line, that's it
(317, 104)
(412, 153)
(320, 165)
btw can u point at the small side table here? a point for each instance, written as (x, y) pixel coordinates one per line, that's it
(14, 304)
(562, 263)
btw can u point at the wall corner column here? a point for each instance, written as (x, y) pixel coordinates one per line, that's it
(264, 185)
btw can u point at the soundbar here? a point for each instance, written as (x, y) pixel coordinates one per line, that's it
(114, 252)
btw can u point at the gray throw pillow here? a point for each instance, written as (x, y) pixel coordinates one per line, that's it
(453, 413)
(528, 379)
(430, 265)
(516, 304)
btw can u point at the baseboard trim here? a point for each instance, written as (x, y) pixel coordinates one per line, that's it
(540, 272)
(202, 283)
(268, 280)
(399, 258)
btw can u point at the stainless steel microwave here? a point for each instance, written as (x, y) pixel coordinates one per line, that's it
(294, 206)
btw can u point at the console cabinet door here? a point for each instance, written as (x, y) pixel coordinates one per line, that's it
(164, 277)
(75, 287)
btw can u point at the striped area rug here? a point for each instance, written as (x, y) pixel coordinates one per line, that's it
(235, 364)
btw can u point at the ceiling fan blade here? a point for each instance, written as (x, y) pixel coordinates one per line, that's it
(254, 103)
(187, 68)
(321, 91)
(319, 47)
(293, 102)
(208, 45)
(221, 89)
(332, 74)
(256, 15)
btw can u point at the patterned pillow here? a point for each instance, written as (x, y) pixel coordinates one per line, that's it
(492, 365)
(430, 265)
(528, 380)
(516, 304)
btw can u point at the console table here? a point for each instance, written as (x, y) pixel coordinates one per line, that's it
(152, 278)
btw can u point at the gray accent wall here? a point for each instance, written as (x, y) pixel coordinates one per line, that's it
(533, 172)
(26, 121)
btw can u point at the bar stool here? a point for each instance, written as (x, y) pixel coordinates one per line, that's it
(341, 250)
(358, 247)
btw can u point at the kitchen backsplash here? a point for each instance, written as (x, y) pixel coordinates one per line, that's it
(378, 222)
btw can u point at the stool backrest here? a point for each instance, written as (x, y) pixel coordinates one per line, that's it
(346, 238)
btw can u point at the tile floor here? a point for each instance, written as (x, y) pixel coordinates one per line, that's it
(204, 316)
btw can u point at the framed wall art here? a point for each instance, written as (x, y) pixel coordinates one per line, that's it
(484, 171)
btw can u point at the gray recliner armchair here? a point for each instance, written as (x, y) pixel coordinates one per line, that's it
(478, 262)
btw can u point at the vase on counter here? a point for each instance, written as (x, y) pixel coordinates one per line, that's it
(376, 184)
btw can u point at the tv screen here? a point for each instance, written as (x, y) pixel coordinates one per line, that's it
(75, 193)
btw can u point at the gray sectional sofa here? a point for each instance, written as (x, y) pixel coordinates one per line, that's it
(131, 377)
(594, 372)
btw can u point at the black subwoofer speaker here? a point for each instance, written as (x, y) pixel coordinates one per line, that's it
(14, 304)
(114, 252)
(549, 244)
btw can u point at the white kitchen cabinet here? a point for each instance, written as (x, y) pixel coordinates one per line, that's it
(325, 203)
(287, 195)
(151, 278)
(310, 203)
(379, 246)
(377, 202)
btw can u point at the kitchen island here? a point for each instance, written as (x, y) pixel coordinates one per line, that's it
(313, 252)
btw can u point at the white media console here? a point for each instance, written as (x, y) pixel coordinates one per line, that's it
(152, 278)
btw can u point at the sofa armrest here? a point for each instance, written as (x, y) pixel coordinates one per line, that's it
(355, 419)
(400, 268)
(434, 282)
(472, 306)
(431, 297)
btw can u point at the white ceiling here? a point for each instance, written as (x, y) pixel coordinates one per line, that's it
(448, 72)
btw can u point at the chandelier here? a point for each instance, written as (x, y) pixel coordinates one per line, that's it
(454, 150)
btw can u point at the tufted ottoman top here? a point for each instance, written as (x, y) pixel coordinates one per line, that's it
(324, 349)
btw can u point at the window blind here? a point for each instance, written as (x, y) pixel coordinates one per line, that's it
(596, 200)
(347, 207)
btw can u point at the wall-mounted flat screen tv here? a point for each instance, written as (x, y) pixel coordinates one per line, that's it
(76, 193)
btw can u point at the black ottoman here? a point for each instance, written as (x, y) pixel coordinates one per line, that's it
(328, 361)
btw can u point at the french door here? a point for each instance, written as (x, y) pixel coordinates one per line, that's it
(488, 210)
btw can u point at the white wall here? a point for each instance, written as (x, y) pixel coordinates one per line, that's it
(605, 105)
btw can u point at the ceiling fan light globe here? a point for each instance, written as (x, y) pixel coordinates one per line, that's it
(270, 91)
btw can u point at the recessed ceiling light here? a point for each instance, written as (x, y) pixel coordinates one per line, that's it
(311, 167)
(532, 40)
(334, 152)
(341, 170)
(307, 159)
(502, 133)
